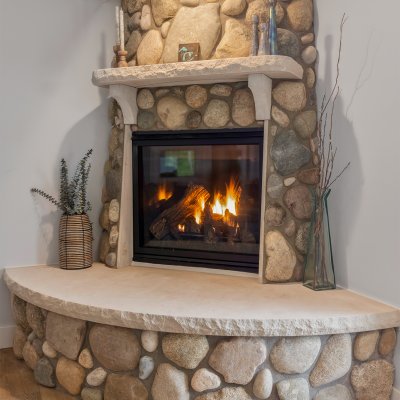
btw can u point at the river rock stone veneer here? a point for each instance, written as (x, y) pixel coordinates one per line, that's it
(223, 30)
(95, 362)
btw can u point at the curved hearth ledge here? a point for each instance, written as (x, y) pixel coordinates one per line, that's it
(196, 303)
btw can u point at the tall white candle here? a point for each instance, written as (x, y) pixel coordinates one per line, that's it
(117, 24)
(121, 29)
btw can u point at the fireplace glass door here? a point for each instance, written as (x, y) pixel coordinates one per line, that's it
(197, 198)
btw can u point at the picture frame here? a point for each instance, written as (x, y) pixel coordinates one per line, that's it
(189, 52)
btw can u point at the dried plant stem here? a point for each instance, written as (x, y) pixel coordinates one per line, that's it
(325, 149)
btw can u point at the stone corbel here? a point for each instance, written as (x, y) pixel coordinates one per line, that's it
(126, 98)
(261, 87)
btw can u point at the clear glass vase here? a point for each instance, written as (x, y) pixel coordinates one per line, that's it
(319, 271)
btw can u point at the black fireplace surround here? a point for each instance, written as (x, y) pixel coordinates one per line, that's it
(197, 198)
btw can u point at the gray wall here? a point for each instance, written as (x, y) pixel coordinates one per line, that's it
(365, 203)
(48, 110)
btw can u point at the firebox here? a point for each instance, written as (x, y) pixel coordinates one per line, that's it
(197, 198)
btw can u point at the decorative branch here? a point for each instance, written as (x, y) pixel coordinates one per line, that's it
(324, 157)
(326, 152)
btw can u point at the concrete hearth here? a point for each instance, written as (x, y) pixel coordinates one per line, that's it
(197, 303)
(133, 332)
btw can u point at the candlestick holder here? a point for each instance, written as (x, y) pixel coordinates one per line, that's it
(116, 49)
(254, 35)
(263, 46)
(122, 58)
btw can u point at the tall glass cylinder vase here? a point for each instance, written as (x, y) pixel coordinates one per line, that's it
(319, 268)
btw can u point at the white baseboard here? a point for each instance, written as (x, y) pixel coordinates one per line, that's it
(396, 394)
(6, 336)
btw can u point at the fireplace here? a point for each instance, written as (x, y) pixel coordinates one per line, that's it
(212, 95)
(197, 198)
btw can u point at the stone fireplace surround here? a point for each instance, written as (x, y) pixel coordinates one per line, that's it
(226, 89)
(250, 82)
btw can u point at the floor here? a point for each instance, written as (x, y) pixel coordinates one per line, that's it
(17, 381)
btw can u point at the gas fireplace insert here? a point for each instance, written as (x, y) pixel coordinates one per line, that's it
(197, 198)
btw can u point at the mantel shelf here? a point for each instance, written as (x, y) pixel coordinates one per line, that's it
(200, 72)
(259, 71)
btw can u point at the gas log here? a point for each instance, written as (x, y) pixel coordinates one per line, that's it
(217, 226)
(194, 217)
(167, 222)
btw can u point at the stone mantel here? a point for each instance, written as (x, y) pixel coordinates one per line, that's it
(196, 303)
(200, 72)
(257, 70)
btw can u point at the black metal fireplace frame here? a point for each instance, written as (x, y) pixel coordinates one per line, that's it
(234, 262)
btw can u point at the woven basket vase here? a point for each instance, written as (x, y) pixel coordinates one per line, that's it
(75, 242)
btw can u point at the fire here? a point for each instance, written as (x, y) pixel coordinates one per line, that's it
(217, 207)
(202, 202)
(181, 228)
(229, 202)
(197, 216)
(163, 193)
(198, 210)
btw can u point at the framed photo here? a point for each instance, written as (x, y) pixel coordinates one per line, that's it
(189, 52)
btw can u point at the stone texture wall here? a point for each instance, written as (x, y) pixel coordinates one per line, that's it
(95, 362)
(155, 28)
(153, 31)
(196, 107)
(111, 193)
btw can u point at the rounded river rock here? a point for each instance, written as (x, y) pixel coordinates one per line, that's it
(115, 348)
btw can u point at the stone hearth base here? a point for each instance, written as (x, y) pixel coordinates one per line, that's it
(95, 361)
(147, 333)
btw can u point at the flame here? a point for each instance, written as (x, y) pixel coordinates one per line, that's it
(199, 207)
(202, 202)
(229, 202)
(197, 216)
(163, 193)
(181, 228)
(217, 207)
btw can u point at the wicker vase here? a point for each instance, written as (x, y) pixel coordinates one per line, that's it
(75, 242)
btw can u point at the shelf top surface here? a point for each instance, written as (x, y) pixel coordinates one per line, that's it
(196, 303)
(199, 72)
